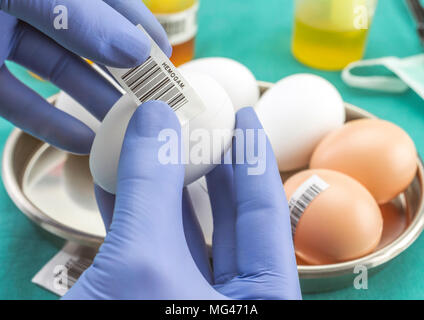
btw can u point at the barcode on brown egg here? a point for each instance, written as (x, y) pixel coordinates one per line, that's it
(303, 197)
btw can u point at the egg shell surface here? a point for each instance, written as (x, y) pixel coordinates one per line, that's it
(217, 121)
(342, 223)
(69, 105)
(296, 113)
(377, 153)
(236, 79)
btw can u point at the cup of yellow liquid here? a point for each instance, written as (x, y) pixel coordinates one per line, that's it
(179, 19)
(330, 34)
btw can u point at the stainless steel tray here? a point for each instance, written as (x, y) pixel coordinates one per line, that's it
(37, 178)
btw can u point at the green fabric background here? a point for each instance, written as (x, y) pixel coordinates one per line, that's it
(258, 34)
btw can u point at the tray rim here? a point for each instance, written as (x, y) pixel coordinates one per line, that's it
(14, 191)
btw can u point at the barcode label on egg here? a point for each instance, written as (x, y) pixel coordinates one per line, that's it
(158, 79)
(148, 82)
(303, 197)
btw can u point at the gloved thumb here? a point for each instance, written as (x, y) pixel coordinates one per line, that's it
(149, 188)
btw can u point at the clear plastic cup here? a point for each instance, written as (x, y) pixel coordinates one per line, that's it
(330, 34)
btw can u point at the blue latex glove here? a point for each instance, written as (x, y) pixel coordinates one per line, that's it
(146, 254)
(103, 31)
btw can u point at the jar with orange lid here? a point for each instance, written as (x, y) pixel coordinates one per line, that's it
(179, 19)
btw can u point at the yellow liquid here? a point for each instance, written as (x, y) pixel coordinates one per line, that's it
(184, 52)
(168, 6)
(325, 42)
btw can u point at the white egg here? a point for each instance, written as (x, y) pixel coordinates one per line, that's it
(199, 196)
(237, 80)
(67, 104)
(296, 113)
(215, 122)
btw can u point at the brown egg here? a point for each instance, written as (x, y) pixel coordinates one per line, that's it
(300, 262)
(377, 153)
(395, 222)
(341, 223)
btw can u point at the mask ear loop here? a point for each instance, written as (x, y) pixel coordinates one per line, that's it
(378, 83)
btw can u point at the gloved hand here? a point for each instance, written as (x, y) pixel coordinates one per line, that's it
(101, 30)
(146, 254)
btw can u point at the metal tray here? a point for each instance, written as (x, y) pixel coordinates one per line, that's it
(37, 176)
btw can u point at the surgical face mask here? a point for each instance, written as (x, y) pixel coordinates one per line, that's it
(407, 73)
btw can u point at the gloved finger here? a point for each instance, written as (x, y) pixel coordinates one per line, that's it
(264, 241)
(64, 69)
(192, 230)
(8, 25)
(147, 224)
(148, 205)
(221, 193)
(195, 239)
(138, 13)
(91, 29)
(33, 114)
(148, 186)
(106, 203)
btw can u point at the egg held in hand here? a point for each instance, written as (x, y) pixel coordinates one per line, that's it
(215, 124)
(296, 113)
(341, 223)
(377, 153)
(69, 105)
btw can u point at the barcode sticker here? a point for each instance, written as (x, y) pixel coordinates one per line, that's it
(303, 197)
(65, 268)
(158, 79)
(181, 26)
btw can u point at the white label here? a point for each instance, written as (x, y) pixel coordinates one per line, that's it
(181, 26)
(158, 79)
(303, 197)
(64, 269)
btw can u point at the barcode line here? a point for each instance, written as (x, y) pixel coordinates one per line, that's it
(75, 268)
(159, 88)
(298, 205)
(146, 78)
(149, 82)
(133, 78)
(152, 87)
(133, 72)
(160, 95)
(174, 27)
